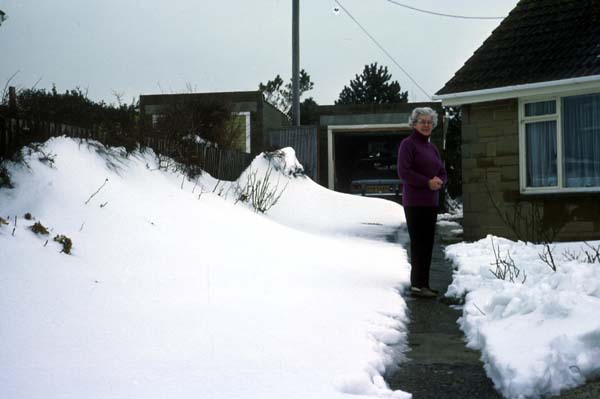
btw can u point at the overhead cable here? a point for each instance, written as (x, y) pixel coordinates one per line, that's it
(439, 13)
(382, 49)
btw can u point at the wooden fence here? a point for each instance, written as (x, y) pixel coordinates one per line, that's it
(303, 139)
(220, 163)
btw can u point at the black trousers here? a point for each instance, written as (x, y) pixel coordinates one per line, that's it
(421, 222)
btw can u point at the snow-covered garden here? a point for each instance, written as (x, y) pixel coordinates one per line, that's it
(137, 282)
(173, 291)
(539, 334)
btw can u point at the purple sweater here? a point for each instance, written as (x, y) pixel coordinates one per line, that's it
(418, 162)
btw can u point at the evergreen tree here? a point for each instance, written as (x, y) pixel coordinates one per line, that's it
(309, 114)
(3, 17)
(373, 86)
(280, 96)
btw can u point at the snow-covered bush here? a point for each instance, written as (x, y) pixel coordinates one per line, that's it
(285, 161)
(260, 186)
(66, 243)
(260, 191)
(39, 228)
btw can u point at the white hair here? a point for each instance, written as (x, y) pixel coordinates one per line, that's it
(414, 116)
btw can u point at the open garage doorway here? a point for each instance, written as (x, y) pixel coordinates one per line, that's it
(363, 160)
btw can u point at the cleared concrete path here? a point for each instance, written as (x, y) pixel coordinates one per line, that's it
(439, 365)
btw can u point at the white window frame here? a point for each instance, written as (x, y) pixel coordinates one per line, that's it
(523, 120)
(246, 116)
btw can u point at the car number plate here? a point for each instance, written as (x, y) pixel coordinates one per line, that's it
(378, 189)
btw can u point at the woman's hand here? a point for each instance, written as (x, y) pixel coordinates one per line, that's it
(435, 184)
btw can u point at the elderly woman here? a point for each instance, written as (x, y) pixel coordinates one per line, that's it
(422, 171)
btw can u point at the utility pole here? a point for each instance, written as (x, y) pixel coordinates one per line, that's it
(295, 63)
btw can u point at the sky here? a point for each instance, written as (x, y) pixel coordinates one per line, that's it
(148, 305)
(133, 47)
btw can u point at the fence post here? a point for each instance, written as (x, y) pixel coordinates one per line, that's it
(3, 138)
(12, 102)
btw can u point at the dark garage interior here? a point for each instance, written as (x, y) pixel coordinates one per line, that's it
(355, 153)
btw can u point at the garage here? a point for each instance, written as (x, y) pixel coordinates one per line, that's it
(364, 161)
(358, 146)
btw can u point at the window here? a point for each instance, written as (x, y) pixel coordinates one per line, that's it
(540, 149)
(241, 124)
(560, 144)
(156, 119)
(581, 136)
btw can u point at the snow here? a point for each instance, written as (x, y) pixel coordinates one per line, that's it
(310, 207)
(177, 288)
(172, 290)
(539, 336)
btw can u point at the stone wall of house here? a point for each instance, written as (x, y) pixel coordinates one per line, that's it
(493, 203)
(490, 164)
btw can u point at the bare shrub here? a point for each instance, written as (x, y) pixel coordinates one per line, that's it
(505, 267)
(594, 255)
(526, 221)
(547, 257)
(589, 255)
(213, 121)
(260, 192)
(191, 123)
(38, 149)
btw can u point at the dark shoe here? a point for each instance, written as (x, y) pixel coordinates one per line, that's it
(436, 292)
(423, 292)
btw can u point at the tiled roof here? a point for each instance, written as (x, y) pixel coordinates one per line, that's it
(539, 41)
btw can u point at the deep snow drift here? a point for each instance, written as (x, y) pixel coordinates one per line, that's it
(176, 292)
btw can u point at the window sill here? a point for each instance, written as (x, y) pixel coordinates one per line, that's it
(561, 192)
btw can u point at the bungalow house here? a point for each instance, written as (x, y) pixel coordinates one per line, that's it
(530, 101)
(255, 115)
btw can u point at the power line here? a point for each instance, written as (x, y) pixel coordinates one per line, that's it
(382, 49)
(439, 13)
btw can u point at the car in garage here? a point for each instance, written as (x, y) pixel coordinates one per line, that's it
(376, 176)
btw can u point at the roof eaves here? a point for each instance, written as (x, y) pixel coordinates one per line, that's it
(514, 91)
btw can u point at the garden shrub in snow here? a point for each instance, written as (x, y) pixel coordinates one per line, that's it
(66, 243)
(39, 228)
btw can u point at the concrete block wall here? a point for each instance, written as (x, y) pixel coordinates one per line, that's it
(490, 164)
(490, 151)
